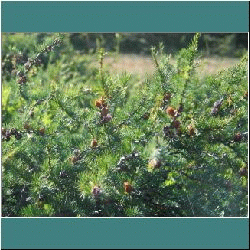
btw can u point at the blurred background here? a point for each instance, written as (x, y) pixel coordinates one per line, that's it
(211, 44)
(131, 52)
(217, 50)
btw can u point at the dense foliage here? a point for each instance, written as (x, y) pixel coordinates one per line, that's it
(80, 141)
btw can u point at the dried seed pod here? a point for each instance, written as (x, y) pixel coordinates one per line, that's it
(49, 48)
(176, 114)
(7, 138)
(214, 111)
(37, 62)
(26, 126)
(106, 118)
(100, 103)
(218, 103)
(243, 171)
(20, 73)
(74, 159)
(22, 79)
(176, 124)
(41, 131)
(127, 187)
(191, 130)
(167, 97)
(57, 42)
(135, 154)
(76, 152)
(13, 131)
(96, 191)
(27, 66)
(94, 143)
(8, 133)
(3, 131)
(18, 135)
(30, 60)
(170, 111)
(154, 164)
(238, 137)
(104, 111)
(122, 165)
(168, 131)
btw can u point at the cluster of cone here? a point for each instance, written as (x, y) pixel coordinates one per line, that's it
(37, 61)
(175, 127)
(102, 105)
(7, 133)
(216, 107)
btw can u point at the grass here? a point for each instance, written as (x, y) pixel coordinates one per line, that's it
(143, 65)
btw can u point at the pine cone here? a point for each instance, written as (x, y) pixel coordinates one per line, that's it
(100, 103)
(104, 111)
(127, 187)
(170, 111)
(74, 159)
(167, 97)
(154, 164)
(18, 135)
(244, 171)
(218, 103)
(191, 130)
(238, 137)
(76, 152)
(106, 118)
(214, 111)
(3, 131)
(96, 191)
(94, 143)
(26, 126)
(168, 131)
(22, 79)
(42, 131)
(176, 124)
(13, 131)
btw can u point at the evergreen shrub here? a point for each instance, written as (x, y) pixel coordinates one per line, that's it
(78, 141)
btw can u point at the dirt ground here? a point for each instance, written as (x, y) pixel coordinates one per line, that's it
(142, 65)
